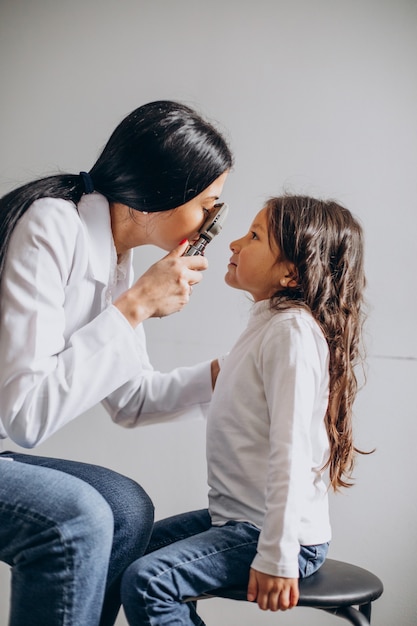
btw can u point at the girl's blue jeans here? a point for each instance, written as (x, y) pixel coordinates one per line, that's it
(188, 558)
(68, 530)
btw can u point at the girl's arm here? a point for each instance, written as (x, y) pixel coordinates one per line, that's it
(291, 367)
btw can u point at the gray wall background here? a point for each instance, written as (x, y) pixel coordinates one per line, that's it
(316, 96)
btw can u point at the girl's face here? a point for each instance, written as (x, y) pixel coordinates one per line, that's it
(256, 265)
(167, 228)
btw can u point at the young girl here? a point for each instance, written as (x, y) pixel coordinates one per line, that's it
(280, 416)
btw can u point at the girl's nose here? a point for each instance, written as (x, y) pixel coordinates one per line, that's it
(234, 246)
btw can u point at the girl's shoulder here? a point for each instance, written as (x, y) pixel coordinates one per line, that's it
(294, 321)
(294, 316)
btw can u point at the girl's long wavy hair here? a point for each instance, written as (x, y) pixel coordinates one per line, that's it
(159, 157)
(325, 243)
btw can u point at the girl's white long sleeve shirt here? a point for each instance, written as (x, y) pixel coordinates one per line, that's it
(64, 347)
(266, 436)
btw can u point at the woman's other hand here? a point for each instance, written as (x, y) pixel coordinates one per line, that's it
(164, 288)
(215, 369)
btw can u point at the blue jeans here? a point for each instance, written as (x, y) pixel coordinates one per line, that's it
(188, 558)
(68, 530)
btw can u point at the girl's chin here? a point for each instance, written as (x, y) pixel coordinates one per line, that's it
(229, 280)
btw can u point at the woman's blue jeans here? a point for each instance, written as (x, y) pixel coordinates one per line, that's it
(68, 530)
(188, 558)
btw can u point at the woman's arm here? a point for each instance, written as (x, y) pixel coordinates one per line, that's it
(61, 353)
(47, 379)
(155, 397)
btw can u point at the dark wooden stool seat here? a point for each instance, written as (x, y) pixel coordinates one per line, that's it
(337, 588)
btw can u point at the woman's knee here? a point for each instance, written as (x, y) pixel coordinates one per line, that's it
(130, 504)
(131, 507)
(91, 521)
(138, 506)
(39, 492)
(134, 520)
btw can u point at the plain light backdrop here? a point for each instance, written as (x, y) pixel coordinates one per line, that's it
(316, 97)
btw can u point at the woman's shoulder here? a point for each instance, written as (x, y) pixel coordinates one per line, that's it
(50, 219)
(51, 211)
(50, 224)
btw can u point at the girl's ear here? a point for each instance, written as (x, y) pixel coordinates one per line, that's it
(291, 276)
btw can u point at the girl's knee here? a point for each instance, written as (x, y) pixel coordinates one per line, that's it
(142, 575)
(133, 582)
(148, 577)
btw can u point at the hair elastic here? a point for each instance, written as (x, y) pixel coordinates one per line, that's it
(87, 182)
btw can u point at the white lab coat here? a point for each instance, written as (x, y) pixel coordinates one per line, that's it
(63, 346)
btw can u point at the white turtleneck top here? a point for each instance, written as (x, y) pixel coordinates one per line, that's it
(266, 436)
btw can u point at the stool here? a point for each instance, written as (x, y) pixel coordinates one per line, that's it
(336, 587)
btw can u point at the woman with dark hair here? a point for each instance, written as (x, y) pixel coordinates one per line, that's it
(71, 336)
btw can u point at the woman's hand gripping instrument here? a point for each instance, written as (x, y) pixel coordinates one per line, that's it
(211, 227)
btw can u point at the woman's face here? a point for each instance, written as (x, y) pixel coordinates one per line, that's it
(168, 228)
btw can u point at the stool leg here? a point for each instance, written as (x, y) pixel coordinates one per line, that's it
(352, 615)
(366, 609)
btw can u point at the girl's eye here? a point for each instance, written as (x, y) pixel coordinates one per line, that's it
(253, 235)
(206, 212)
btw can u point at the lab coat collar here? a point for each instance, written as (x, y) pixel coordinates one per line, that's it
(94, 212)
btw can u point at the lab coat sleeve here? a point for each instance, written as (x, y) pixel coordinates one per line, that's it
(155, 397)
(46, 381)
